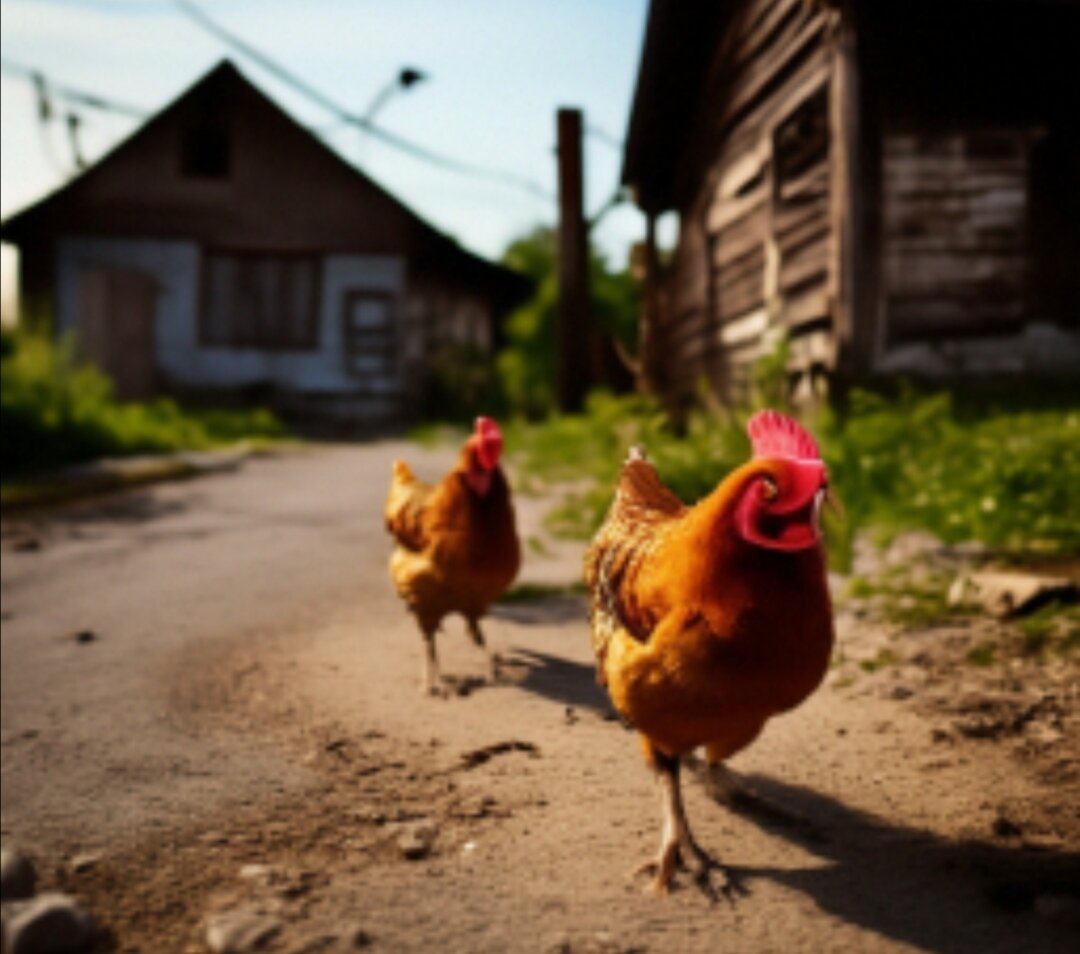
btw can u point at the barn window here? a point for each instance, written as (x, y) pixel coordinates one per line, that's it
(253, 300)
(801, 147)
(205, 151)
(370, 346)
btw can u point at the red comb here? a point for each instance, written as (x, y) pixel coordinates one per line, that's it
(489, 442)
(773, 434)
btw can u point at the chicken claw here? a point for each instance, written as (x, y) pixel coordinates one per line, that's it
(678, 849)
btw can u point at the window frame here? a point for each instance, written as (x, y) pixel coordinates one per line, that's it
(306, 340)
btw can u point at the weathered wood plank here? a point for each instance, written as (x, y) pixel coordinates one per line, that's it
(793, 42)
(811, 262)
(736, 243)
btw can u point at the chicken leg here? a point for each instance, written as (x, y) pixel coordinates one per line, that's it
(677, 845)
(431, 683)
(477, 636)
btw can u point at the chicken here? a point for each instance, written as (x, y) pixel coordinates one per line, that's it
(457, 546)
(709, 620)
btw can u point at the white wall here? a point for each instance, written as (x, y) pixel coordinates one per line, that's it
(175, 266)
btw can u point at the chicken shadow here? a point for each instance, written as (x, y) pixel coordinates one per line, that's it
(937, 894)
(557, 679)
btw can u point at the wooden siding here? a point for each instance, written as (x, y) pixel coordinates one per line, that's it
(765, 201)
(955, 233)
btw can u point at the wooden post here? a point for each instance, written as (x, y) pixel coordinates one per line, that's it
(649, 359)
(572, 330)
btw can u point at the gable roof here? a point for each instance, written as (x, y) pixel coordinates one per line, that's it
(72, 206)
(679, 39)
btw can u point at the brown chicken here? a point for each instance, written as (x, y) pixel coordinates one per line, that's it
(457, 547)
(709, 620)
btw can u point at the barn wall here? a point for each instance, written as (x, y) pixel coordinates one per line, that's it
(185, 363)
(955, 210)
(762, 261)
(960, 291)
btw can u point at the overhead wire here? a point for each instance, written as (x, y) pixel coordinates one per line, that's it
(345, 116)
(70, 93)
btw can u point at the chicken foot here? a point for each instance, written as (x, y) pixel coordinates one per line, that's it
(677, 845)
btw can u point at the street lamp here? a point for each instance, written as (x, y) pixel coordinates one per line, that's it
(407, 77)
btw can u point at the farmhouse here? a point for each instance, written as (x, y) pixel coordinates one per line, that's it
(893, 187)
(223, 250)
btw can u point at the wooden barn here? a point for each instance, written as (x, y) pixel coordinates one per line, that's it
(893, 187)
(222, 250)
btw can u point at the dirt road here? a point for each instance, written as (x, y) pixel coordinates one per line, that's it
(210, 704)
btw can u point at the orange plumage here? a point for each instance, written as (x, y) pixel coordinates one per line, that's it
(709, 620)
(456, 548)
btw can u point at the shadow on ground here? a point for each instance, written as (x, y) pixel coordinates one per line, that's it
(558, 680)
(950, 897)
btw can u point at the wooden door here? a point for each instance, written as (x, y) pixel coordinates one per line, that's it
(115, 327)
(370, 339)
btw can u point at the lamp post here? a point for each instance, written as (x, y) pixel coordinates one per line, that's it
(406, 78)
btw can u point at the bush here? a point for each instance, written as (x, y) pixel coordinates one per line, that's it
(1004, 476)
(55, 411)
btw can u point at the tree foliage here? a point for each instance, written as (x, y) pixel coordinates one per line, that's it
(526, 365)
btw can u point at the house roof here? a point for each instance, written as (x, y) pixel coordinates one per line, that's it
(52, 213)
(679, 39)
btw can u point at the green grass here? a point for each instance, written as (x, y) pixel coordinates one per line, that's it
(1004, 475)
(884, 657)
(1053, 628)
(983, 654)
(1002, 472)
(55, 412)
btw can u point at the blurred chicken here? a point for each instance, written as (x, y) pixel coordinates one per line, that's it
(709, 620)
(457, 547)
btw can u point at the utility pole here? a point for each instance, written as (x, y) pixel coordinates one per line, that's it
(572, 330)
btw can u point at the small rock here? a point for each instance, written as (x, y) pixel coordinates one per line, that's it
(1044, 841)
(85, 636)
(241, 931)
(17, 876)
(1043, 734)
(257, 872)
(84, 862)
(1004, 594)
(415, 841)
(49, 924)
(26, 545)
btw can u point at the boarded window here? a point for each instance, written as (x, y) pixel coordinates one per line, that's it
(205, 151)
(370, 348)
(260, 301)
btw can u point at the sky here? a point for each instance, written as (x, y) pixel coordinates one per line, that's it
(497, 72)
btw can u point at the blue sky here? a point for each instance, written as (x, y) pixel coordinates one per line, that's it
(499, 70)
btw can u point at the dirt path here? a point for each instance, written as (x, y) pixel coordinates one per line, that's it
(509, 818)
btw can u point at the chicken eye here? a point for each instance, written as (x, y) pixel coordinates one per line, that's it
(769, 489)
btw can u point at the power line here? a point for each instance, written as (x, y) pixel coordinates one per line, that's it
(70, 93)
(343, 115)
(606, 138)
